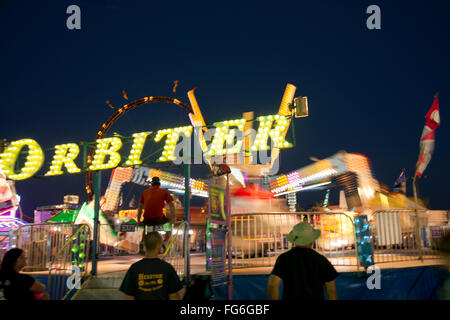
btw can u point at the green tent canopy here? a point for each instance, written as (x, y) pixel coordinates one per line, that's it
(66, 216)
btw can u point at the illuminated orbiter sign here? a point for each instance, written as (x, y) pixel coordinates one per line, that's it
(273, 126)
(228, 138)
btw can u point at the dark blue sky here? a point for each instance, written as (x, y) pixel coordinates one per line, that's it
(368, 90)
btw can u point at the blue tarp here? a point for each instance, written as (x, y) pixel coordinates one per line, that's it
(419, 283)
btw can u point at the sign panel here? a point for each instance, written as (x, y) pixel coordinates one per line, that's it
(217, 211)
(125, 227)
(218, 276)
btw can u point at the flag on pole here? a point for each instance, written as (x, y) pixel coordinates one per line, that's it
(400, 183)
(428, 137)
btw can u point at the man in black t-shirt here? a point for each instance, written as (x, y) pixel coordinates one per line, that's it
(151, 278)
(303, 271)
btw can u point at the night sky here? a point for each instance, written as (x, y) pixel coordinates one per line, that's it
(368, 90)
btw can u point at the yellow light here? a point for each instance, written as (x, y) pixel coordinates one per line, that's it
(106, 146)
(277, 134)
(136, 149)
(171, 140)
(224, 133)
(64, 154)
(33, 163)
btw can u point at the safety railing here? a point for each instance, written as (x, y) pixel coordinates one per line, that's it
(404, 235)
(41, 243)
(69, 267)
(175, 253)
(258, 238)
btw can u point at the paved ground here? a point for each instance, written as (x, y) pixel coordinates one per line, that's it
(115, 265)
(120, 264)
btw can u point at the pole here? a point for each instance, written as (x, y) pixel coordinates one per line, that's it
(418, 233)
(97, 185)
(85, 145)
(230, 266)
(187, 218)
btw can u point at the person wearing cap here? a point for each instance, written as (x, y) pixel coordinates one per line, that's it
(152, 201)
(303, 271)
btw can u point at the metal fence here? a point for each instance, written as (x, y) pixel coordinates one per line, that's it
(405, 235)
(337, 237)
(58, 249)
(175, 253)
(258, 238)
(41, 243)
(398, 235)
(68, 268)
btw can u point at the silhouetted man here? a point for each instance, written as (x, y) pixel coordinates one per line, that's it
(304, 271)
(151, 278)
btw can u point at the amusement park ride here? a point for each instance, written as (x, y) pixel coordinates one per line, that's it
(254, 187)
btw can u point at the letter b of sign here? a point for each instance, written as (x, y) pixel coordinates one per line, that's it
(374, 21)
(74, 20)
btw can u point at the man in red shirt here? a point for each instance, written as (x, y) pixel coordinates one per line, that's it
(152, 201)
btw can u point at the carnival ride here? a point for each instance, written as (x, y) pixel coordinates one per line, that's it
(254, 187)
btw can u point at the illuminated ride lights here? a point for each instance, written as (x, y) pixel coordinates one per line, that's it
(293, 181)
(13, 223)
(302, 188)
